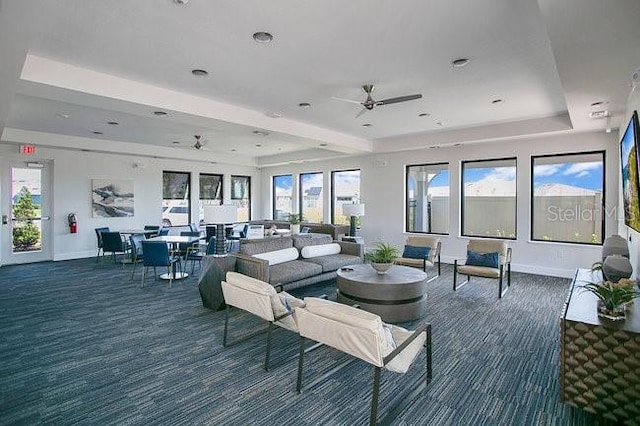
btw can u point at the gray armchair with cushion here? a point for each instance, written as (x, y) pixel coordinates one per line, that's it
(421, 252)
(485, 258)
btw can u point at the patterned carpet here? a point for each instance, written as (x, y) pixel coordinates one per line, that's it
(81, 344)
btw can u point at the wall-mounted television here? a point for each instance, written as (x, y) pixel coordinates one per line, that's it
(629, 165)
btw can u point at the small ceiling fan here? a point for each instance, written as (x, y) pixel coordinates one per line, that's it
(370, 103)
(199, 144)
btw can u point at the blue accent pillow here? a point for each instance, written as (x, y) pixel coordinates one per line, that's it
(490, 260)
(415, 252)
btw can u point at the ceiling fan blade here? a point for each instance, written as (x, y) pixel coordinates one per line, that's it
(362, 111)
(347, 100)
(398, 99)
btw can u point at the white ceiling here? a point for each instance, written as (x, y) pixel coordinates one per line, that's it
(99, 61)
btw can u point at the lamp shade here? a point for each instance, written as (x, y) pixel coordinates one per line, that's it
(353, 209)
(220, 214)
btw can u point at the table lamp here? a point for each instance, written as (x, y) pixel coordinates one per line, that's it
(220, 215)
(353, 211)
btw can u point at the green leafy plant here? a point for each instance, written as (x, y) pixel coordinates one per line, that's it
(25, 234)
(295, 219)
(383, 253)
(612, 296)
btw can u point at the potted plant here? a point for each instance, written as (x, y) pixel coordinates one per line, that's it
(613, 297)
(294, 222)
(382, 257)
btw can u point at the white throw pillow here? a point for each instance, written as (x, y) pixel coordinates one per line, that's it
(279, 256)
(320, 250)
(250, 284)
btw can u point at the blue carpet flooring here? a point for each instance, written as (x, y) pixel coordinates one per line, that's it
(81, 344)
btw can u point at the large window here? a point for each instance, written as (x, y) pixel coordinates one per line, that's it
(210, 191)
(345, 189)
(489, 198)
(568, 198)
(311, 194)
(282, 190)
(241, 196)
(176, 210)
(427, 198)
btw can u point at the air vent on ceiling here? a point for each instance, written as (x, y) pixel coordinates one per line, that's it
(599, 114)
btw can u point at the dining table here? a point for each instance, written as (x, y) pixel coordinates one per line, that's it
(174, 241)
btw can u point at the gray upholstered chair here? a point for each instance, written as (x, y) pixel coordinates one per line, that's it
(484, 249)
(363, 335)
(414, 257)
(262, 300)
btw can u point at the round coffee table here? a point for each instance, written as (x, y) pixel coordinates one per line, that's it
(397, 296)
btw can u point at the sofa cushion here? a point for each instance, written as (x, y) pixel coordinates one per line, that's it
(279, 256)
(303, 240)
(293, 270)
(335, 261)
(252, 247)
(416, 252)
(308, 252)
(490, 260)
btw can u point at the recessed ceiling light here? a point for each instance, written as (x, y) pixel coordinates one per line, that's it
(324, 144)
(434, 147)
(199, 73)
(599, 104)
(159, 113)
(497, 101)
(181, 2)
(97, 133)
(260, 133)
(262, 37)
(440, 123)
(233, 150)
(85, 150)
(63, 115)
(457, 144)
(367, 125)
(304, 104)
(258, 145)
(424, 114)
(113, 123)
(175, 142)
(460, 62)
(272, 114)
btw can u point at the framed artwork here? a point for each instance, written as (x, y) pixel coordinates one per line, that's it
(112, 198)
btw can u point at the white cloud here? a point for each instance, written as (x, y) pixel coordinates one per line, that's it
(501, 173)
(582, 174)
(546, 170)
(578, 168)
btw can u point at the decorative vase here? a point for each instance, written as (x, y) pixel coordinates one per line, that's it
(381, 268)
(616, 314)
(295, 228)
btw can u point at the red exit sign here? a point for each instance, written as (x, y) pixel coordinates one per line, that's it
(27, 149)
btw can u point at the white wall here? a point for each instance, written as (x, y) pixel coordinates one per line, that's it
(73, 171)
(382, 189)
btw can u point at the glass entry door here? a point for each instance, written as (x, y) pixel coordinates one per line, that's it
(26, 225)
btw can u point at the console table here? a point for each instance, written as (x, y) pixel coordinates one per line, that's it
(599, 359)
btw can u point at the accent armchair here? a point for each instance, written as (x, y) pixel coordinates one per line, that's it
(421, 252)
(364, 336)
(485, 258)
(262, 300)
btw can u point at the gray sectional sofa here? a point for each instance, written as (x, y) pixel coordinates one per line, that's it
(288, 262)
(301, 271)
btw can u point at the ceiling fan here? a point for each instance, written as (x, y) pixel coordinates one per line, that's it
(199, 144)
(370, 103)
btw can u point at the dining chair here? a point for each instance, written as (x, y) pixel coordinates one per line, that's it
(113, 243)
(195, 253)
(163, 232)
(99, 232)
(183, 247)
(156, 253)
(152, 228)
(137, 252)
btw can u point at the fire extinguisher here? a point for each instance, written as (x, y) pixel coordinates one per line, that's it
(73, 223)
